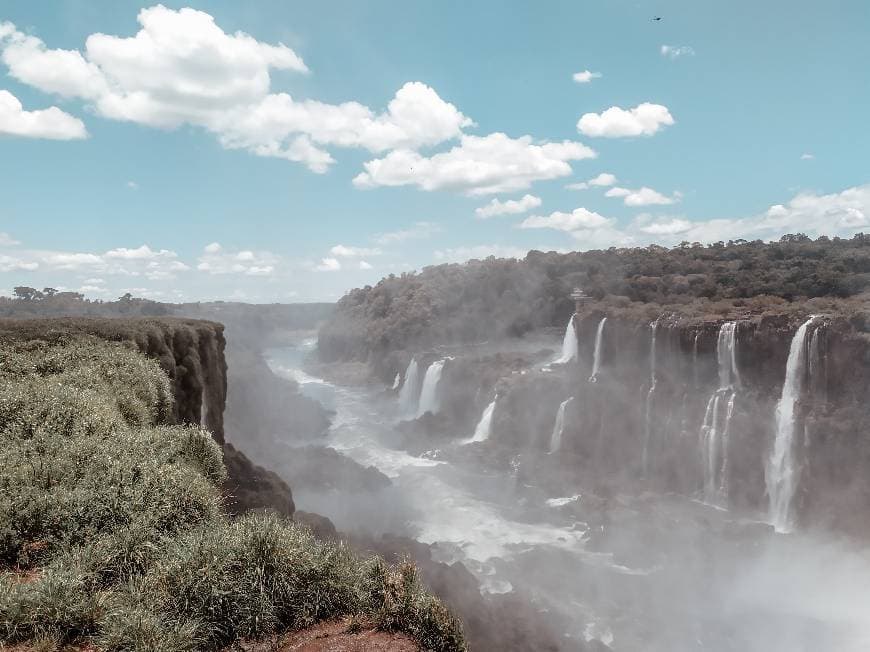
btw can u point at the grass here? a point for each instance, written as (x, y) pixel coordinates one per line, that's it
(113, 535)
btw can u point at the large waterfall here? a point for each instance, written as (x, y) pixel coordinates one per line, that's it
(408, 393)
(569, 344)
(647, 431)
(716, 426)
(484, 426)
(429, 394)
(596, 356)
(782, 471)
(559, 426)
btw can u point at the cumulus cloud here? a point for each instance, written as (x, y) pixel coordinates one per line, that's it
(364, 265)
(51, 123)
(7, 240)
(15, 264)
(837, 214)
(509, 207)
(807, 156)
(642, 196)
(579, 218)
(643, 120)
(328, 265)
(462, 254)
(602, 180)
(419, 231)
(676, 51)
(342, 251)
(182, 68)
(585, 76)
(217, 260)
(479, 165)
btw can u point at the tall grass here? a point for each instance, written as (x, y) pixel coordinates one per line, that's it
(112, 531)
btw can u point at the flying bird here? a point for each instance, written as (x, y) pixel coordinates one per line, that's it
(656, 18)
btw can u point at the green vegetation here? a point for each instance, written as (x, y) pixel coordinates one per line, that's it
(492, 297)
(113, 533)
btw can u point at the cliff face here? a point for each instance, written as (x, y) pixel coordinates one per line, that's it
(191, 352)
(660, 414)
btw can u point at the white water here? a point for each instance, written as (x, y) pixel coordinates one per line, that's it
(429, 400)
(782, 472)
(484, 426)
(408, 394)
(397, 381)
(647, 433)
(596, 356)
(203, 409)
(717, 426)
(569, 344)
(664, 577)
(559, 426)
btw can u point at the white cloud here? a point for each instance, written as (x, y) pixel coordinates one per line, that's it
(419, 231)
(462, 254)
(181, 68)
(642, 196)
(364, 265)
(143, 261)
(807, 157)
(342, 251)
(509, 207)
(479, 165)
(7, 240)
(14, 264)
(585, 76)
(667, 227)
(217, 260)
(602, 180)
(328, 265)
(579, 218)
(132, 185)
(643, 120)
(677, 51)
(51, 123)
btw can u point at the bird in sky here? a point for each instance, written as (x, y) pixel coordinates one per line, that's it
(656, 18)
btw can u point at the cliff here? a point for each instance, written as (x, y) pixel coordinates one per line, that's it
(191, 353)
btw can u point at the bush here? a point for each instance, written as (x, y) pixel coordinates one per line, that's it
(118, 518)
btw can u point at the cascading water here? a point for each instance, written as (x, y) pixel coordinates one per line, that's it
(647, 432)
(782, 472)
(559, 426)
(596, 356)
(716, 427)
(203, 408)
(408, 393)
(569, 344)
(484, 426)
(397, 381)
(429, 394)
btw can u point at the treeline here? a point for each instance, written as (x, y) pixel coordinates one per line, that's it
(483, 299)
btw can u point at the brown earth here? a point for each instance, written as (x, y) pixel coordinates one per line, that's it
(334, 636)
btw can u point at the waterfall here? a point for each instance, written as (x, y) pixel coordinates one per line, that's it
(408, 393)
(782, 472)
(559, 426)
(482, 431)
(596, 356)
(429, 394)
(716, 426)
(569, 344)
(203, 408)
(647, 433)
(397, 380)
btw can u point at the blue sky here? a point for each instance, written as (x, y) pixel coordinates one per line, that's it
(211, 152)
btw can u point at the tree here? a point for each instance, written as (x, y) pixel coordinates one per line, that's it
(27, 294)
(49, 292)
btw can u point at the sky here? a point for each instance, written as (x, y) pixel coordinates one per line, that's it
(290, 151)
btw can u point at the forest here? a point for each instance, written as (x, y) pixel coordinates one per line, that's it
(506, 297)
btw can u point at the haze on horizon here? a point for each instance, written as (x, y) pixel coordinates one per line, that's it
(208, 150)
